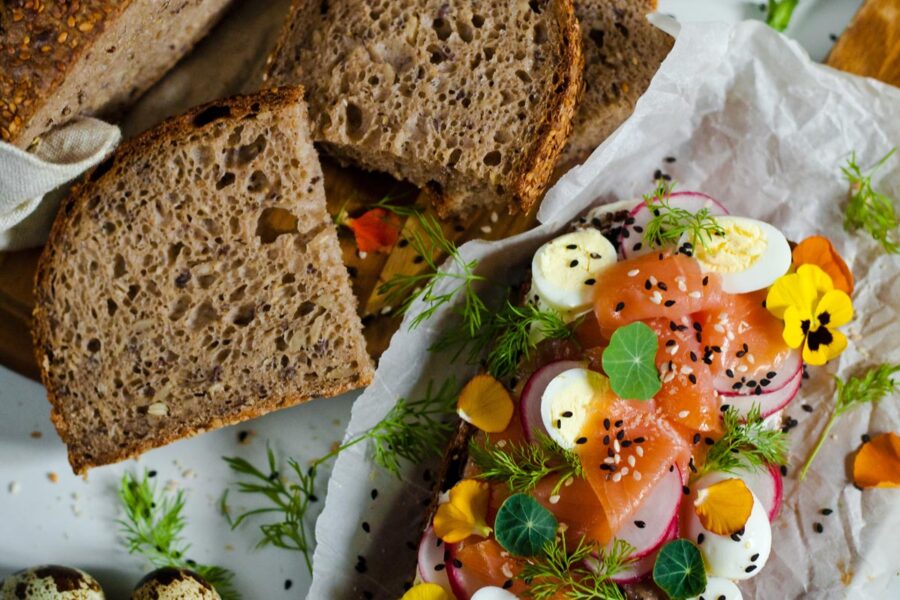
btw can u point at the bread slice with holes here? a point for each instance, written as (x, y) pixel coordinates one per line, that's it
(622, 52)
(194, 280)
(470, 100)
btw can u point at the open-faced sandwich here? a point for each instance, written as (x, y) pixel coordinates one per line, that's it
(639, 451)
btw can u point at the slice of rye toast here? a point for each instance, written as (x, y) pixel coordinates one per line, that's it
(622, 52)
(194, 280)
(471, 101)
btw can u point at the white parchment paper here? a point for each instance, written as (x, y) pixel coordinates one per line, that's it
(753, 122)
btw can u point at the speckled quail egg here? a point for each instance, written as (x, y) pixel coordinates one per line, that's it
(170, 583)
(718, 588)
(51, 582)
(740, 555)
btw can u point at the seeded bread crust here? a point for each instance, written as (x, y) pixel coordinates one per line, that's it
(61, 58)
(102, 369)
(386, 82)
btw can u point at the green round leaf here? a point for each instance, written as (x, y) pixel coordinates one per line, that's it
(630, 362)
(523, 527)
(679, 570)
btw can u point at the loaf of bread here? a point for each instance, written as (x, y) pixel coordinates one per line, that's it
(59, 59)
(622, 52)
(470, 100)
(193, 280)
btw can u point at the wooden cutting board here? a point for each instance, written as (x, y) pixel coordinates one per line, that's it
(870, 46)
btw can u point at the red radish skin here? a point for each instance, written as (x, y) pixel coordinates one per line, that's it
(431, 559)
(769, 403)
(642, 567)
(690, 201)
(458, 584)
(784, 375)
(530, 401)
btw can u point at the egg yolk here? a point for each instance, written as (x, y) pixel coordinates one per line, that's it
(737, 250)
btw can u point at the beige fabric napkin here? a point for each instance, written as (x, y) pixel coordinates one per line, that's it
(27, 206)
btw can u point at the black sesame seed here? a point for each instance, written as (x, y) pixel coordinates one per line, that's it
(669, 303)
(243, 435)
(606, 440)
(626, 233)
(696, 438)
(783, 470)
(439, 567)
(692, 378)
(709, 441)
(567, 414)
(865, 438)
(626, 443)
(662, 286)
(287, 584)
(657, 174)
(590, 281)
(618, 423)
(716, 349)
(606, 424)
(685, 490)
(670, 343)
(735, 537)
(571, 246)
(648, 285)
(826, 511)
(806, 407)
(418, 259)
(740, 353)
(559, 423)
(637, 228)
(620, 306)
(818, 528)
(596, 256)
(366, 527)
(671, 468)
(754, 558)
(581, 440)
(669, 159)
(691, 465)
(640, 524)
(151, 473)
(636, 247)
(771, 374)
(751, 383)
(620, 434)
(606, 467)
(729, 372)
(700, 538)
(724, 407)
(507, 584)
(457, 563)
(574, 263)
(639, 439)
(750, 569)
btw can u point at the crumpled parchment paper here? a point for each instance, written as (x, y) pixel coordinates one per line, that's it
(753, 122)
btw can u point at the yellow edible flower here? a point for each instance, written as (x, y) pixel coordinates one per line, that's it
(811, 309)
(426, 591)
(465, 513)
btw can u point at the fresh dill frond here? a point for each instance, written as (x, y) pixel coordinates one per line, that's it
(153, 528)
(747, 445)
(869, 388)
(558, 570)
(669, 223)
(780, 13)
(411, 431)
(871, 211)
(511, 328)
(430, 242)
(523, 466)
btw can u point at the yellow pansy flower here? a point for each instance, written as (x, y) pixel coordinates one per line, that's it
(812, 309)
(464, 514)
(426, 591)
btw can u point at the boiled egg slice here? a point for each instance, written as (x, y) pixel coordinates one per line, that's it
(740, 555)
(750, 255)
(718, 588)
(493, 592)
(567, 402)
(564, 270)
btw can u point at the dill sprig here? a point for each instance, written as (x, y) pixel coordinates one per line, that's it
(670, 223)
(153, 528)
(869, 388)
(523, 466)
(432, 245)
(871, 211)
(779, 13)
(747, 445)
(412, 430)
(559, 570)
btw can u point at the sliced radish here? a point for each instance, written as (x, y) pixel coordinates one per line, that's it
(784, 374)
(643, 566)
(459, 587)
(766, 484)
(648, 526)
(769, 403)
(432, 568)
(530, 402)
(631, 240)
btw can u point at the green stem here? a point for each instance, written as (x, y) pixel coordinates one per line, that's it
(815, 450)
(780, 13)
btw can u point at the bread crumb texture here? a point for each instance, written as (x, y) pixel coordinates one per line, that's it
(470, 101)
(194, 280)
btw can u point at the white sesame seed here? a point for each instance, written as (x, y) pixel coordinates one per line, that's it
(683, 414)
(494, 216)
(636, 475)
(617, 446)
(656, 298)
(686, 370)
(501, 443)
(617, 458)
(750, 359)
(695, 294)
(362, 254)
(631, 460)
(730, 335)
(507, 570)
(669, 377)
(633, 272)
(386, 310)
(158, 409)
(625, 471)
(742, 368)
(616, 477)
(673, 350)
(486, 229)
(653, 280)
(554, 499)
(719, 327)
(639, 451)
(608, 460)
(681, 284)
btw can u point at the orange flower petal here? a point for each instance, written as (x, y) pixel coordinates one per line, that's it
(724, 507)
(818, 250)
(375, 230)
(486, 404)
(877, 464)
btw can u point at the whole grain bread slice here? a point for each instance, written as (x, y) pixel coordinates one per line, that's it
(61, 59)
(622, 52)
(194, 280)
(470, 100)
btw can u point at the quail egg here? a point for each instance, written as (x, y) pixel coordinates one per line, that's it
(718, 588)
(170, 583)
(51, 582)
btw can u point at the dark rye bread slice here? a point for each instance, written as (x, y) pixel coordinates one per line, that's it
(470, 100)
(194, 280)
(59, 59)
(622, 52)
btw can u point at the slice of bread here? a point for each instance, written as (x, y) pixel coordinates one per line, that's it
(194, 280)
(61, 59)
(622, 52)
(471, 100)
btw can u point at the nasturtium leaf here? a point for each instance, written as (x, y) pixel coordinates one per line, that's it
(523, 527)
(679, 570)
(630, 362)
